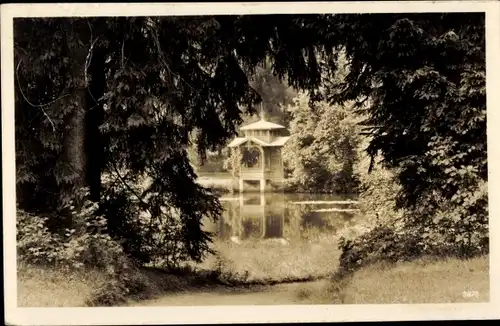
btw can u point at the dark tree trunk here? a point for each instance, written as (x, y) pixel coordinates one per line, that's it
(74, 159)
(74, 140)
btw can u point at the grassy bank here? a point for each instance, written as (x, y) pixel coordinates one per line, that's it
(220, 184)
(273, 261)
(244, 268)
(50, 287)
(422, 281)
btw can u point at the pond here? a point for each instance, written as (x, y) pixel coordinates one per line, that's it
(256, 217)
(280, 236)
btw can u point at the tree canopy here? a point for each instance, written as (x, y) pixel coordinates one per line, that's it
(323, 150)
(121, 97)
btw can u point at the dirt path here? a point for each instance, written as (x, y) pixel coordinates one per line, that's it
(293, 293)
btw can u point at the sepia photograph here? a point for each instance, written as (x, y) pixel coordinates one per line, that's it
(232, 159)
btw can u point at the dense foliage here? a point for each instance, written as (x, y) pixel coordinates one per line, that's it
(391, 234)
(112, 105)
(322, 150)
(425, 78)
(86, 245)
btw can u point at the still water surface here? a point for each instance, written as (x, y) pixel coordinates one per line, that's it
(285, 218)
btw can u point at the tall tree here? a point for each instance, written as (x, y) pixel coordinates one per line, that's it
(274, 92)
(425, 75)
(106, 102)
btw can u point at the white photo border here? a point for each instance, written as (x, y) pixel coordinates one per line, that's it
(243, 314)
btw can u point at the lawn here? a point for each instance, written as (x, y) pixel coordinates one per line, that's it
(269, 260)
(47, 287)
(421, 281)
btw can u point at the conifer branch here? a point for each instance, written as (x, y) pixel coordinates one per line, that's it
(39, 106)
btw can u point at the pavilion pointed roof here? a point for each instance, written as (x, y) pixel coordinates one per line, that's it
(262, 125)
(277, 142)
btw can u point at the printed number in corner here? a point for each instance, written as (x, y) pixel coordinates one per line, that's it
(470, 294)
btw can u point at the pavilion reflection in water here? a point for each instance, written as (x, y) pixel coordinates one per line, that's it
(253, 216)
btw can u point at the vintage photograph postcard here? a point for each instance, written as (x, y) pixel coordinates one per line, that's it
(180, 163)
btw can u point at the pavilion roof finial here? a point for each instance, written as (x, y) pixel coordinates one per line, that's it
(262, 112)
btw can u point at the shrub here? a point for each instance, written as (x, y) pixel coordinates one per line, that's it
(84, 246)
(393, 242)
(127, 282)
(378, 196)
(382, 243)
(456, 229)
(436, 227)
